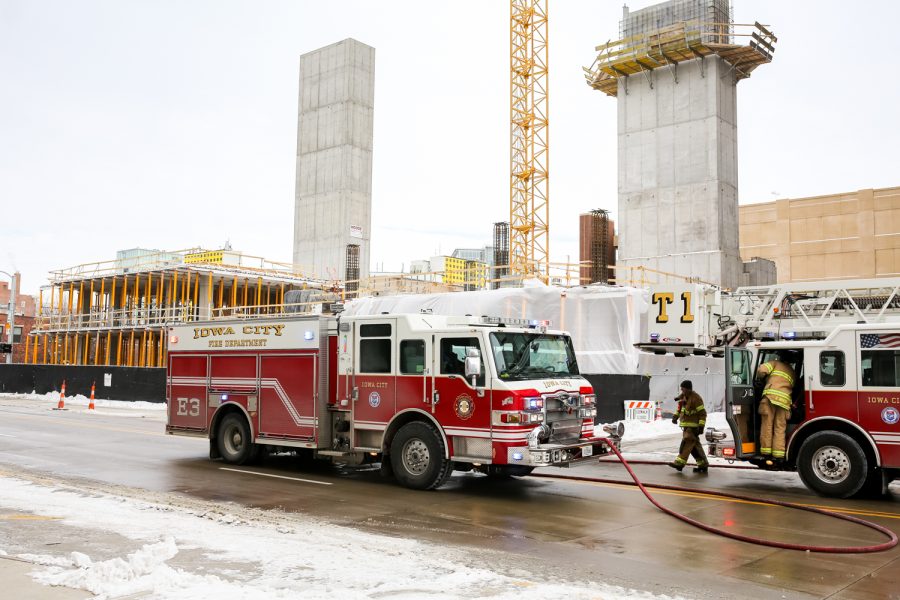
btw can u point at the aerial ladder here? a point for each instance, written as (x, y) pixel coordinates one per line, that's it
(805, 310)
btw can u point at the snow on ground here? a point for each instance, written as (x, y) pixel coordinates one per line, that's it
(279, 555)
(641, 430)
(79, 401)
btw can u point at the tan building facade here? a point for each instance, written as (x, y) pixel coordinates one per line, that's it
(840, 236)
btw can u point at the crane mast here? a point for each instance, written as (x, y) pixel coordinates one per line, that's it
(529, 206)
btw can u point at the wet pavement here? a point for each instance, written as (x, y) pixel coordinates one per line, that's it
(567, 529)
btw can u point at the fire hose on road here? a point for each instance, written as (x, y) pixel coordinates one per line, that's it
(892, 537)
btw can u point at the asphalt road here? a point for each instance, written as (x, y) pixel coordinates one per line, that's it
(566, 529)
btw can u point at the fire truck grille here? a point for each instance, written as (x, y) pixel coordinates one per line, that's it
(562, 417)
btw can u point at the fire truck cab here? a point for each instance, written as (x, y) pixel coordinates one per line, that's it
(843, 343)
(422, 394)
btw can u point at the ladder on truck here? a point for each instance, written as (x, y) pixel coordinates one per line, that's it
(805, 309)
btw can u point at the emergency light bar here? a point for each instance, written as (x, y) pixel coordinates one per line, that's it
(510, 322)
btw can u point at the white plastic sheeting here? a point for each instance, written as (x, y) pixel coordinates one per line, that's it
(605, 321)
(707, 374)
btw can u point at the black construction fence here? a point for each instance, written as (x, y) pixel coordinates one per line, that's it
(613, 390)
(112, 383)
(149, 385)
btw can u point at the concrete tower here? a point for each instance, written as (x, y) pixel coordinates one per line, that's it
(675, 73)
(333, 196)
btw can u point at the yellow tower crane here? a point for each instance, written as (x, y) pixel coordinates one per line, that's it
(529, 199)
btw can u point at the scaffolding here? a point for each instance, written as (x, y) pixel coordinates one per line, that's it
(666, 47)
(116, 313)
(351, 269)
(501, 252)
(600, 246)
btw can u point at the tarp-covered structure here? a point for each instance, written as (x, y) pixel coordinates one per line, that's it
(605, 323)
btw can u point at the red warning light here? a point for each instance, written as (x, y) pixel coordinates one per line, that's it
(729, 523)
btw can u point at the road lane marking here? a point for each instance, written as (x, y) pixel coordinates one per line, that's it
(28, 518)
(275, 476)
(5, 435)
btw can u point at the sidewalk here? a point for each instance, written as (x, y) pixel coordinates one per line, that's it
(17, 583)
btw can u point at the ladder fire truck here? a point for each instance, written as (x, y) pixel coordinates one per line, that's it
(843, 341)
(422, 394)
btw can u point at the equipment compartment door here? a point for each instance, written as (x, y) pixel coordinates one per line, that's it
(287, 388)
(187, 391)
(739, 406)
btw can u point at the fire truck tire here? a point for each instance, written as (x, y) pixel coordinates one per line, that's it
(417, 457)
(234, 440)
(832, 464)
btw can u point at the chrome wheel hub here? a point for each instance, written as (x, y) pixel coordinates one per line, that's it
(416, 457)
(831, 464)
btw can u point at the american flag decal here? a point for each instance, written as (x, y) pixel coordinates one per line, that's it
(880, 340)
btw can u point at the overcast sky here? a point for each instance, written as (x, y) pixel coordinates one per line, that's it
(172, 124)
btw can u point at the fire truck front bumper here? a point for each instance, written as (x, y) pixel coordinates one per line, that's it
(559, 455)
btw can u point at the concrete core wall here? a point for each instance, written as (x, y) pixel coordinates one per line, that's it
(333, 197)
(678, 204)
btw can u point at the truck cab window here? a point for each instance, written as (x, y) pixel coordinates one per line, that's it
(453, 356)
(412, 357)
(375, 348)
(831, 368)
(880, 368)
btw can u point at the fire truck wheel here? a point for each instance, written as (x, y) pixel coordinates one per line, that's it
(417, 457)
(832, 464)
(235, 443)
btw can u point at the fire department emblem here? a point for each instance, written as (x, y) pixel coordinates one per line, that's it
(464, 407)
(374, 399)
(890, 415)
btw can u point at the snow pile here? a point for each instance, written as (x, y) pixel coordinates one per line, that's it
(266, 554)
(643, 430)
(79, 400)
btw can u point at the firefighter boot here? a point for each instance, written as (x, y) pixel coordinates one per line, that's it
(704, 468)
(676, 464)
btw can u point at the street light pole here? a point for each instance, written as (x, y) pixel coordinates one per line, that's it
(11, 319)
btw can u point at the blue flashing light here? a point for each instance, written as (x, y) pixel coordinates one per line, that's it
(308, 335)
(517, 456)
(224, 397)
(654, 337)
(789, 335)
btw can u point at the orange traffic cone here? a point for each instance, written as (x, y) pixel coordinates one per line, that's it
(62, 397)
(91, 405)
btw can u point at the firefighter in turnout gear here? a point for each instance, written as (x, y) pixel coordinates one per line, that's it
(693, 420)
(775, 406)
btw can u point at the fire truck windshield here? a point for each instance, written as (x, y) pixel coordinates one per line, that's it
(521, 356)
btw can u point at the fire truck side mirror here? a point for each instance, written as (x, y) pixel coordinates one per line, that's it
(473, 363)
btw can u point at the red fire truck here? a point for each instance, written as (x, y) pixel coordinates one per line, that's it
(420, 393)
(843, 341)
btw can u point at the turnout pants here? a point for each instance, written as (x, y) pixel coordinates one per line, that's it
(691, 446)
(772, 428)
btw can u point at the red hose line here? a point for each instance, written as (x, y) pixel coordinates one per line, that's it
(892, 537)
(663, 462)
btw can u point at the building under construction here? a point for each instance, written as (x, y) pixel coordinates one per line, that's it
(596, 247)
(115, 313)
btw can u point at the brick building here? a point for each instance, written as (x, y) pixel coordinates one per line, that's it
(23, 321)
